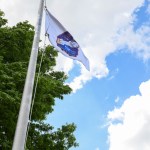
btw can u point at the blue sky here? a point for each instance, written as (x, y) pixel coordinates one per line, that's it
(88, 107)
(110, 104)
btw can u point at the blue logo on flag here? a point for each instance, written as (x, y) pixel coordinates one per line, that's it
(66, 42)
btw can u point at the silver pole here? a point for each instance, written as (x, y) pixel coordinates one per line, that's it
(23, 118)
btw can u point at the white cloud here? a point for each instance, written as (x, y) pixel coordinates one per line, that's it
(94, 24)
(117, 99)
(138, 41)
(129, 125)
(148, 9)
(17, 10)
(65, 64)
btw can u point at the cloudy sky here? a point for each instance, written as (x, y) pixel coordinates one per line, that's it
(110, 104)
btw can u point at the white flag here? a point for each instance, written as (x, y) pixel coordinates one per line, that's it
(63, 41)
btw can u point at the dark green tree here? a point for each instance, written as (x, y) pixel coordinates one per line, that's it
(15, 47)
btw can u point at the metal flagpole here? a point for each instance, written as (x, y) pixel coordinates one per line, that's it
(23, 118)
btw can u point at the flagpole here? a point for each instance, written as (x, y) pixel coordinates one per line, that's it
(23, 118)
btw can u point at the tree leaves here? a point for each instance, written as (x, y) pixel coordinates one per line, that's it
(15, 47)
(62, 139)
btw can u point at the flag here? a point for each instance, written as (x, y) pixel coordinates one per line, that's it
(63, 41)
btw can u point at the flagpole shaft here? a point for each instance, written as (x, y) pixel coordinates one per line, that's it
(23, 118)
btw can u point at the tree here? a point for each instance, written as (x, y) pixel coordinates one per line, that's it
(15, 46)
(44, 138)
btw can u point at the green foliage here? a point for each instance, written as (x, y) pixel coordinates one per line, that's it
(62, 139)
(15, 47)
(2, 20)
(16, 42)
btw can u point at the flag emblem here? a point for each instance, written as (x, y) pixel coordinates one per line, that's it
(67, 44)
